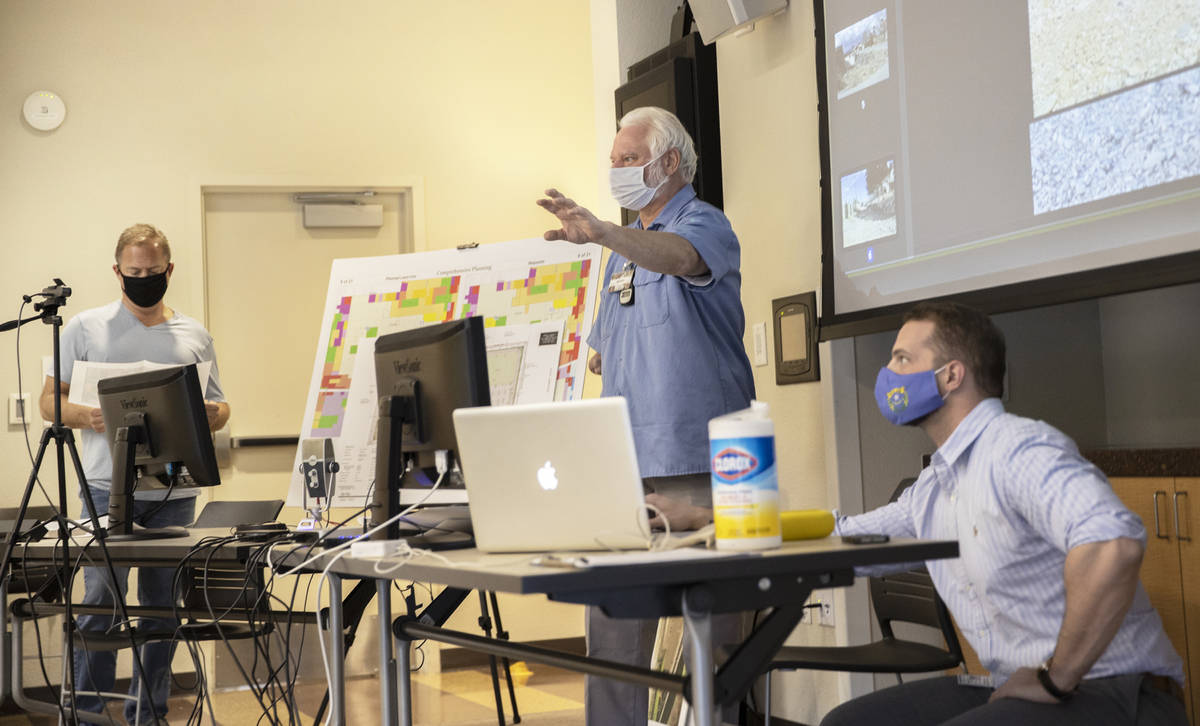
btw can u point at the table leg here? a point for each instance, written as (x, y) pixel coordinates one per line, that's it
(387, 664)
(337, 652)
(698, 621)
(404, 673)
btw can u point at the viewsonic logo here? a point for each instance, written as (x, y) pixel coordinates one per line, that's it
(408, 365)
(133, 403)
(732, 464)
(546, 477)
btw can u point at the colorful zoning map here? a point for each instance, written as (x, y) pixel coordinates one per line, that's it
(519, 283)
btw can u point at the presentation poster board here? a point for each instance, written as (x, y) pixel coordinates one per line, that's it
(531, 294)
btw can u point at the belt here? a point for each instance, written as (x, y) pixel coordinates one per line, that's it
(1166, 685)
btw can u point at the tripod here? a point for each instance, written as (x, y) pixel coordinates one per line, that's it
(54, 297)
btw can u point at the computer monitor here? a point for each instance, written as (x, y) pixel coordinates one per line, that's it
(158, 429)
(422, 376)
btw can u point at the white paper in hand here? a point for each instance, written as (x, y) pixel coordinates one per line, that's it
(86, 374)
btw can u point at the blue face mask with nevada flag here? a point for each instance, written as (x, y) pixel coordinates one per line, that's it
(905, 397)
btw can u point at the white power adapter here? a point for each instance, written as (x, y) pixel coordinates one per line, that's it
(378, 548)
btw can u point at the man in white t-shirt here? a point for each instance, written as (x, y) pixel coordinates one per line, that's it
(139, 326)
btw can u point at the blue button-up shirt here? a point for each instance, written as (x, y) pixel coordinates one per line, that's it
(676, 354)
(1018, 496)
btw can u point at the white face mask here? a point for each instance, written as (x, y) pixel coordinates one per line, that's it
(628, 186)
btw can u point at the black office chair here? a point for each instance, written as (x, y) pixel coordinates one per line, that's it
(905, 597)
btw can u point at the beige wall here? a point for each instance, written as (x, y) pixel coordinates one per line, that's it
(771, 167)
(485, 103)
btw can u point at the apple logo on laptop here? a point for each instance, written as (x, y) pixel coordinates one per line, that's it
(546, 477)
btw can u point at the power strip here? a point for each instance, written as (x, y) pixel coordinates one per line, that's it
(378, 548)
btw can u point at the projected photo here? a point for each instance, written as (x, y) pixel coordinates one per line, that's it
(1080, 51)
(869, 203)
(861, 55)
(1134, 140)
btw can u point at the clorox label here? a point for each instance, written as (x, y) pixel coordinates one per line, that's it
(733, 464)
(743, 459)
(745, 491)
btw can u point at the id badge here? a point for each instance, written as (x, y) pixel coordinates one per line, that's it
(621, 284)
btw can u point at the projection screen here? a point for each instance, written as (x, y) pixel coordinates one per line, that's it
(973, 146)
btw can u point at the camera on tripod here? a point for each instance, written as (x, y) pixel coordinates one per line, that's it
(53, 297)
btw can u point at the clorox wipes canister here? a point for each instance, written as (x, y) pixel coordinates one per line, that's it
(745, 490)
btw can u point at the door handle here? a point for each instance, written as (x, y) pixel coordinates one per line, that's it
(1175, 506)
(1157, 529)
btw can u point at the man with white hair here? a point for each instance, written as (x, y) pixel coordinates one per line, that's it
(668, 338)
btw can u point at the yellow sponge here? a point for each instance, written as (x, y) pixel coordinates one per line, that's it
(806, 523)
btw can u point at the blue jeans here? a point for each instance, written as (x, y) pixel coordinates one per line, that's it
(96, 670)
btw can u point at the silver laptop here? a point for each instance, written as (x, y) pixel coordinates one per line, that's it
(552, 476)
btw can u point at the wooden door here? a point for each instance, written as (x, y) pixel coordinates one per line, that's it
(1151, 499)
(1186, 499)
(267, 276)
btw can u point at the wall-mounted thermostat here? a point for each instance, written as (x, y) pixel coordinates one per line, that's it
(795, 322)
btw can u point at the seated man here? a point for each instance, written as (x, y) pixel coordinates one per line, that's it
(1046, 586)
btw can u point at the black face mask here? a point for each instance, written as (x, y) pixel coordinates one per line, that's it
(145, 292)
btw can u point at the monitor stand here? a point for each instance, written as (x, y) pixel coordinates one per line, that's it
(120, 501)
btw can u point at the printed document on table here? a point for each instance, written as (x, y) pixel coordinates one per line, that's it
(86, 374)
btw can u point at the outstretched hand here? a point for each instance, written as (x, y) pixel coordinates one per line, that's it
(579, 225)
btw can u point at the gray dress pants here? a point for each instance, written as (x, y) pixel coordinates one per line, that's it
(630, 640)
(1128, 700)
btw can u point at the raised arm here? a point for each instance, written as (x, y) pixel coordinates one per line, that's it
(662, 252)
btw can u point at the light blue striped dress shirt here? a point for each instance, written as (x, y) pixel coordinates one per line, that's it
(1017, 496)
